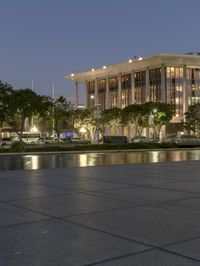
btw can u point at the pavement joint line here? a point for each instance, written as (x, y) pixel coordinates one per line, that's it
(177, 200)
(109, 233)
(68, 216)
(103, 211)
(42, 197)
(136, 241)
(25, 223)
(119, 257)
(180, 242)
(130, 201)
(178, 254)
(101, 195)
(171, 189)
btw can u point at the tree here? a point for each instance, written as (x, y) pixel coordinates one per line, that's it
(18, 105)
(159, 114)
(84, 118)
(60, 115)
(192, 119)
(111, 117)
(135, 115)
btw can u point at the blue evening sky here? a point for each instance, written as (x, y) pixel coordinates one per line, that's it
(42, 40)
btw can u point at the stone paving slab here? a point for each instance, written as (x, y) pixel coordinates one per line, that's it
(57, 242)
(140, 214)
(147, 224)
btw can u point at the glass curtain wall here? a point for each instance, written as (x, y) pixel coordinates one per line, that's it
(101, 93)
(91, 94)
(155, 84)
(140, 87)
(174, 85)
(113, 89)
(193, 81)
(126, 90)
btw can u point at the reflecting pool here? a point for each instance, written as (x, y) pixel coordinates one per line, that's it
(14, 162)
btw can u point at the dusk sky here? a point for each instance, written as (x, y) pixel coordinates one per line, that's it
(42, 40)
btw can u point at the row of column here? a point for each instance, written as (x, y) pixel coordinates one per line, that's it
(147, 95)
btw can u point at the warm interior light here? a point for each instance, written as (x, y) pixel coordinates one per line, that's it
(92, 69)
(92, 96)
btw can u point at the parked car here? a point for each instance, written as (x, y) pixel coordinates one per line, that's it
(170, 139)
(6, 142)
(137, 139)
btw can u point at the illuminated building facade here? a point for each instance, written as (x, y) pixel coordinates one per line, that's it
(168, 78)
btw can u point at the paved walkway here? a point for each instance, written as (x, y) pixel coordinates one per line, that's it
(142, 214)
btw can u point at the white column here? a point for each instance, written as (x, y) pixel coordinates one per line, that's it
(133, 87)
(95, 93)
(119, 102)
(86, 94)
(147, 93)
(76, 95)
(107, 94)
(163, 84)
(185, 90)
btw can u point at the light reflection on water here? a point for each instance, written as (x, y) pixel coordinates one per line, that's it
(13, 162)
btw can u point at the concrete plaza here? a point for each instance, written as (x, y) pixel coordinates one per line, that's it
(139, 214)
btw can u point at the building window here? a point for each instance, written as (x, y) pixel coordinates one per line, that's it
(140, 87)
(174, 84)
(155, 84)
(91, 94)
(113, 91)
(101, 93)
(126, 90)
(193, 81)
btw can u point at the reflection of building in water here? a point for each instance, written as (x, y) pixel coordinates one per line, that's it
(167, 78)
(31, 162)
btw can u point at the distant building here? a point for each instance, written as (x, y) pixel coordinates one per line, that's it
(168, 78)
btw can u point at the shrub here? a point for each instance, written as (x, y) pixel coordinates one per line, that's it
(18, 146)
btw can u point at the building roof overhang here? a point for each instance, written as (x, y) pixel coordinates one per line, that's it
(136, 64)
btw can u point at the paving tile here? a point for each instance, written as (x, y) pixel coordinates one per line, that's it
(72, 204)
(59, 243)
(152, 258)
(147, 224)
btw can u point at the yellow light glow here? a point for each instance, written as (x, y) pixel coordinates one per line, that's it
(104, 67)
(72, 74)
(92, 69)
(34, 129)
(140, 58)
(130, 60)
(92, 96)
(82, 130)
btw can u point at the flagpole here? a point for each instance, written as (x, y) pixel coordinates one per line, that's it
(53, 118)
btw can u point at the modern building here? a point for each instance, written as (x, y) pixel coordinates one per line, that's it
(168, 78)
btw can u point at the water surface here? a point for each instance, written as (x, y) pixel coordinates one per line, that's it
(13, 162)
